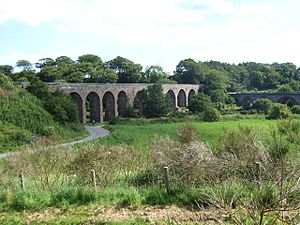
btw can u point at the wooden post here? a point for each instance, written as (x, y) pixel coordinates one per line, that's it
(93, 173)
(258, 172)
(167, 178)
(22, 180)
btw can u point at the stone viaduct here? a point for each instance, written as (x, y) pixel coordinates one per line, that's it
(276, 97)
(105, 101)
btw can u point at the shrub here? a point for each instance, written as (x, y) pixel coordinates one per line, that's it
(186, 134)
(199, 103)
(296, 109)
(109, 162)
(211, 114)
(262, 105)
(189, 163)
(5, 82)
(241, 150)
(279, 111)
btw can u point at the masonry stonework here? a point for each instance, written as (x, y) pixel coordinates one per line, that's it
(109, 100)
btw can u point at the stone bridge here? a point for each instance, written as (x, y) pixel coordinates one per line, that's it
(100, 102)
(276, 97)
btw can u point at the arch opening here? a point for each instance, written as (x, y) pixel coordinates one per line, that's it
(181, 98)
(171, 99)
(247, 103)
(93, 107)
(289, 101)
(108, 106)
(122, 103)
(138, 103)
(78, 100)
(192, 92)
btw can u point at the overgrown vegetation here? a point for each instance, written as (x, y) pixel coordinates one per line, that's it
(23, 115)
(251, 176)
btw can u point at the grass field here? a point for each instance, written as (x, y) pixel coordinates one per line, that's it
(140, 135)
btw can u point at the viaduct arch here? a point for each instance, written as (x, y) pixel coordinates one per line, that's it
(102, 102)
(285, 98)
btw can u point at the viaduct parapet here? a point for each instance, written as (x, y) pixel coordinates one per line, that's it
(99, 102)
(276, 97)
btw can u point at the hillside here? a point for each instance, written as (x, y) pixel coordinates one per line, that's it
(23, 115)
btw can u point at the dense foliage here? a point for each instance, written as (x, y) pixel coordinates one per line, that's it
(247, 76)
(155, 102)
(22, 114)
(59, 105)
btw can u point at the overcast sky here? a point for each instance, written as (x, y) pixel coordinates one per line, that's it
(151, 32)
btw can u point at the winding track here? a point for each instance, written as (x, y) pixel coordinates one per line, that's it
(95, 132)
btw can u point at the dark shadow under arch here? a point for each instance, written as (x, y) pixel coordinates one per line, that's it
(181, 98)
(138, 103)
(122, 103)
(108, 106)
(93, 107)
(192, 92)
(78, 100)
(171, 99)
(289, 101)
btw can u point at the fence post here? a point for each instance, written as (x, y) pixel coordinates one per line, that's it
(22, 180)
(167, 178)
(258, 172)
(93, 173)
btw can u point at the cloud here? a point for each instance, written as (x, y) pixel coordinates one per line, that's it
(170, 30)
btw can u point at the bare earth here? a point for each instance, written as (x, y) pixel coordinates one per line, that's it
(152, 214)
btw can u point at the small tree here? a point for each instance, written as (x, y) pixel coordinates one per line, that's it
(262, 105)
(156, 103)
(279, 111)
(199, 103)
(211, 114)
(296, 109)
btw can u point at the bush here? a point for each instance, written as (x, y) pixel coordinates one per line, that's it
(189, 163)
(262, 105)
(241, 150)
(5, 82)
(199, 103)
(296, 109)
(186, 134)
(279, 111)
(211, 114)
(109, 162)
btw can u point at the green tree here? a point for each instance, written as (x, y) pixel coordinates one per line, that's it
(155, 74)
(188, 72)
(49, 74)
(24, 64)
(62, 108)
(156, 103)
(262, 105)
(88, 64)
(199, 103)
(45, 62)
(279, 111)
(211, 114)
(127, 71)
(39, 89)
(6, 69)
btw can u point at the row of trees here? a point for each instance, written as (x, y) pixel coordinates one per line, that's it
(248, 76)
(215, 75)
(87, 68)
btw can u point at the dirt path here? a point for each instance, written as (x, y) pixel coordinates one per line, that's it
(95, 132)
(151, 214)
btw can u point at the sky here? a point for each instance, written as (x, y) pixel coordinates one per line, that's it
(151, 32)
